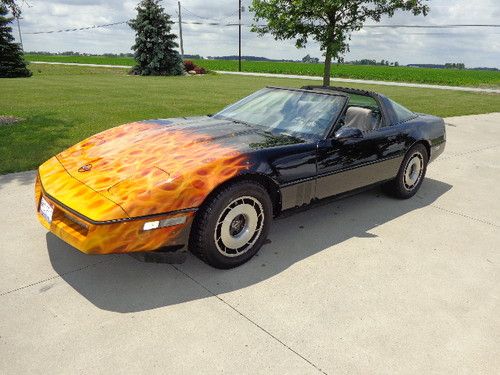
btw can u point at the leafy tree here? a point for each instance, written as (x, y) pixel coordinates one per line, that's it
(155, 45)
(12, 62)
(309, 59)
(454, 66)
(329, 22)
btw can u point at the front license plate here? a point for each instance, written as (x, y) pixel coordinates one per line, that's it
(46, 209)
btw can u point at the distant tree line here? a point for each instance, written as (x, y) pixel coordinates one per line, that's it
(248, 58)
(73, 53)
(107, 54)
(459, 66)
(309, 59)
(454, 66)
(373, 62)
(305, 59)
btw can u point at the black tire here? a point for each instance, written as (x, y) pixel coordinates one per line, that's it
(401, 187)
(206, 239)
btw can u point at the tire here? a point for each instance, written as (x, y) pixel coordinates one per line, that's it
(411, 173)
(231, 227)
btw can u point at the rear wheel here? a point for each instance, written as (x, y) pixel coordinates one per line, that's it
(411, 173)
(231, 227)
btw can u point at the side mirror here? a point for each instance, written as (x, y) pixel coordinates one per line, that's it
(348, 133)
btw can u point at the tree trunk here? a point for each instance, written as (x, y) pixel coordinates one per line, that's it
(328, 66)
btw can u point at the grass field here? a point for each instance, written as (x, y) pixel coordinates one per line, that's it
(450, 77)
(61, 105)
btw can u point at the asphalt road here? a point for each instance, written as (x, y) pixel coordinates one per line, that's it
(365, 285)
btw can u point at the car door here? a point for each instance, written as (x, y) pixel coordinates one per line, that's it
(348, 160)
(295, 169)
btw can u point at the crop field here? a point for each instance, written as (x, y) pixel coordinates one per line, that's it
(450, 77)
(61, 105)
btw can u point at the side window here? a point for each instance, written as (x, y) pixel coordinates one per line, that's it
(363, 113)
(363, 102)
(402, 114)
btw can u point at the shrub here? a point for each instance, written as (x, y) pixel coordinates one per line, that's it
(199, 70)
(189, 65)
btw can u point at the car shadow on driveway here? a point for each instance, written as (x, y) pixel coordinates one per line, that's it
(21, 178)
(122, 284)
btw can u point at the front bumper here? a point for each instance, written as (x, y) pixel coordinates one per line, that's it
(120, 236)
(437, 149)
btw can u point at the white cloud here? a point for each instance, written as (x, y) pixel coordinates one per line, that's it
(474, 47)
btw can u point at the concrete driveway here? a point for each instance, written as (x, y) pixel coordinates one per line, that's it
(366, 285)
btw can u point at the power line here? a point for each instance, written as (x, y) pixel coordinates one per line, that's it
(77, 29)
(429, 26)
(237, 24)
(194, 14)
(220, 20)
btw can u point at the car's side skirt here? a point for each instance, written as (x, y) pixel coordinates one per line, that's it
(319, 202)
(298, 194)
(303, 192)
(354, 178)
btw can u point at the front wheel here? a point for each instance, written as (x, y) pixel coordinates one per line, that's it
(411, 173)
(231, 227)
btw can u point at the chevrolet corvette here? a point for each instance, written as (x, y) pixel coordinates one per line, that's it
(213, 184)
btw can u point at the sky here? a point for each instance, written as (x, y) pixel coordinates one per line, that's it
(475, 46)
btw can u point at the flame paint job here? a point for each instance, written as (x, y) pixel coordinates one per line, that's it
(137, 169)
(150, 168)
(120, 237)
(73, 193)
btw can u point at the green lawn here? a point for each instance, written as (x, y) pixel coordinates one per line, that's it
(64, 104)
(450, 77)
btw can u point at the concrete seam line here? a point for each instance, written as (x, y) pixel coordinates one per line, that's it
(249, 320)
(55, 277)
(465, 216)
(467, 152)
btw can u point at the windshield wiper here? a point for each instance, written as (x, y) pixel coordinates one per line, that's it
(241, 122)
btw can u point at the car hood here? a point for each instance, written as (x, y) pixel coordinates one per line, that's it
(158, 166)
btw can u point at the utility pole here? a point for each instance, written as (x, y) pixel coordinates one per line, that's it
(20, 35)
(239, 27)
(180, 30)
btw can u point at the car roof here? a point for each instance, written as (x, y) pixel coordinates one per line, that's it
(305, 89)
(342, 90)
(332, 90)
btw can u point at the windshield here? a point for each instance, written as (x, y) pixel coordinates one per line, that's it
(302, 114)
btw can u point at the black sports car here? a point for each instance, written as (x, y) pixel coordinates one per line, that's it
(213, 184)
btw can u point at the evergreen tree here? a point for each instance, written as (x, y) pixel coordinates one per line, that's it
(12, 63)
(155, 45)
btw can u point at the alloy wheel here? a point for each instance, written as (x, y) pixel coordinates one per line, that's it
(239, 226)
(413, 171)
